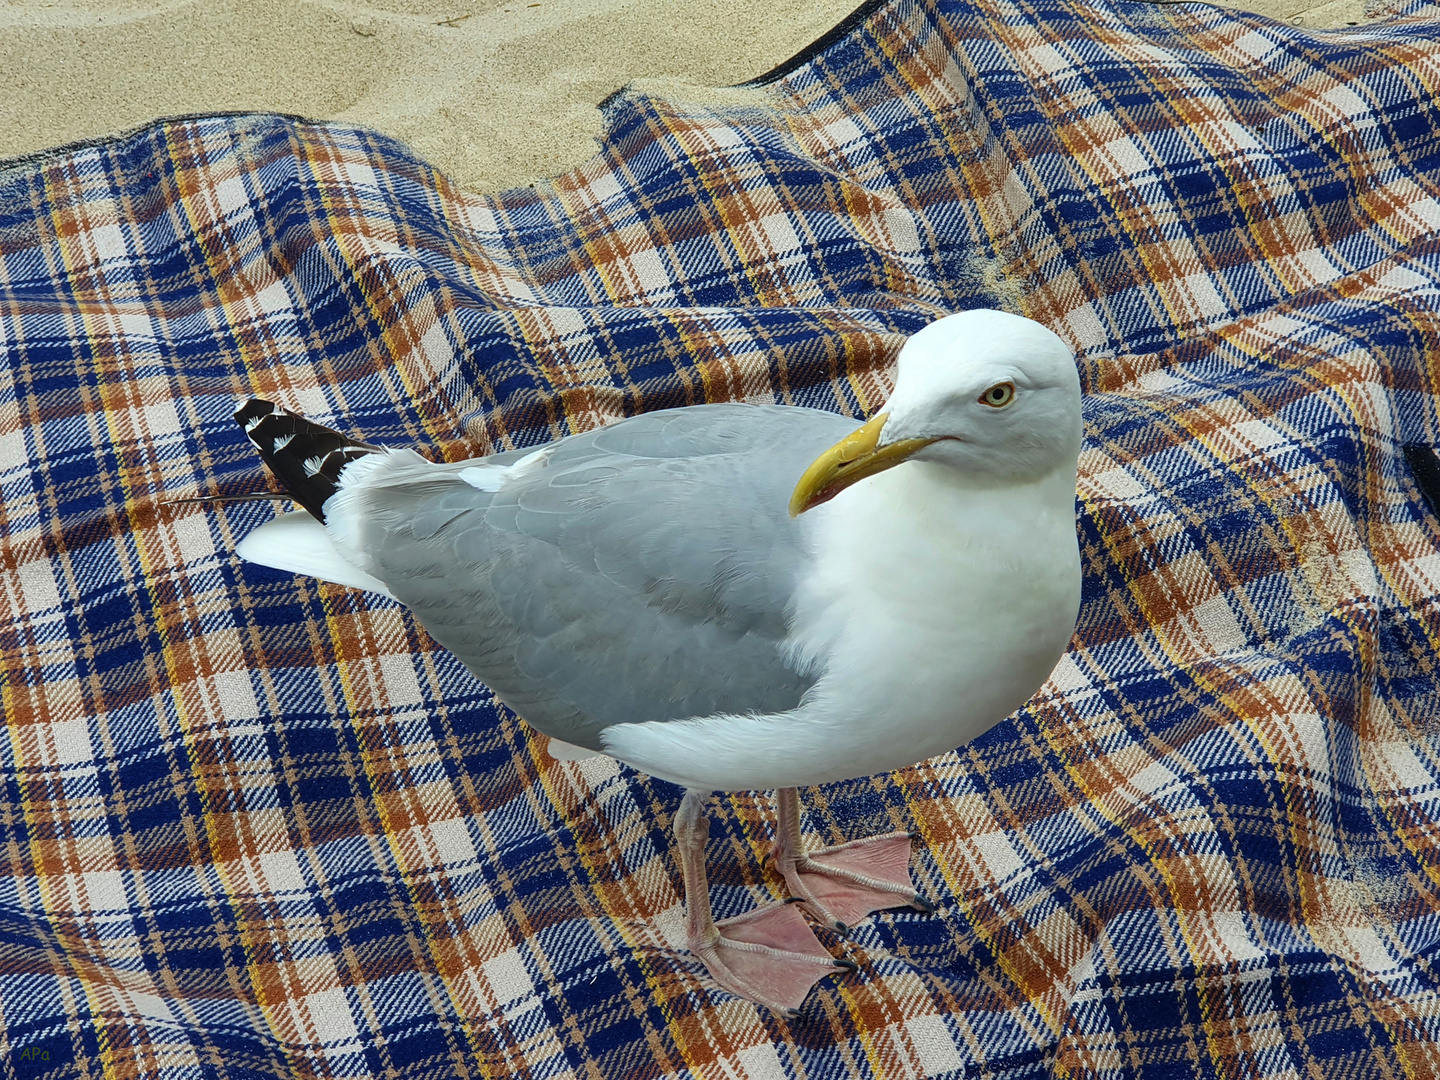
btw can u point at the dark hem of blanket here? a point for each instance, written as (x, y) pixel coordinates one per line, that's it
(40, 157)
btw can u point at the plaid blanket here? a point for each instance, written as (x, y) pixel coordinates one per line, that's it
(254, 826)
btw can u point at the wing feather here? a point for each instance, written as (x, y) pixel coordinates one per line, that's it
(640, 572)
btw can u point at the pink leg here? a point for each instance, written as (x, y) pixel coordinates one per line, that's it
(842, 884)
(769, 955)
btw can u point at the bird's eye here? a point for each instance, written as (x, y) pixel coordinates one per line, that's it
(999, 395)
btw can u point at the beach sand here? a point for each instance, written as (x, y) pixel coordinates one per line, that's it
(494, 92)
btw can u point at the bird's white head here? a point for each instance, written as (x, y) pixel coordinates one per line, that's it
(993, 395)
(998, 394)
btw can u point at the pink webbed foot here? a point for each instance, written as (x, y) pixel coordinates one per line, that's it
(769, 956)
(840, 885)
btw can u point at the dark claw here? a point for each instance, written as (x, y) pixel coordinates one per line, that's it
(923, 904)
(841, 928)
(794, 899)
(849, 965)
(791, 1014)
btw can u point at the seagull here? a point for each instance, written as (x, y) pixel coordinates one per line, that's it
(738, 597)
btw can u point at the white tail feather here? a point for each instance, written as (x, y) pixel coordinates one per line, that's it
(299, 544)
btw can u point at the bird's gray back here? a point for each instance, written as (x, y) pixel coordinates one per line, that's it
(638, 572)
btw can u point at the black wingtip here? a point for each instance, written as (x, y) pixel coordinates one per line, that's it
(252, 411)
(307, 458)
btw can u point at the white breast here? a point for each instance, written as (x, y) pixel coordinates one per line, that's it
(938, 622)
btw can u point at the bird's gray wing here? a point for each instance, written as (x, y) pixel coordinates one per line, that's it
(638, 572)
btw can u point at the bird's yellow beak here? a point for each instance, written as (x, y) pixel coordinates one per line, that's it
(852, 458)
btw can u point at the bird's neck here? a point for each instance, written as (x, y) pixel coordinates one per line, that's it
(932, 497)
(913, 533)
